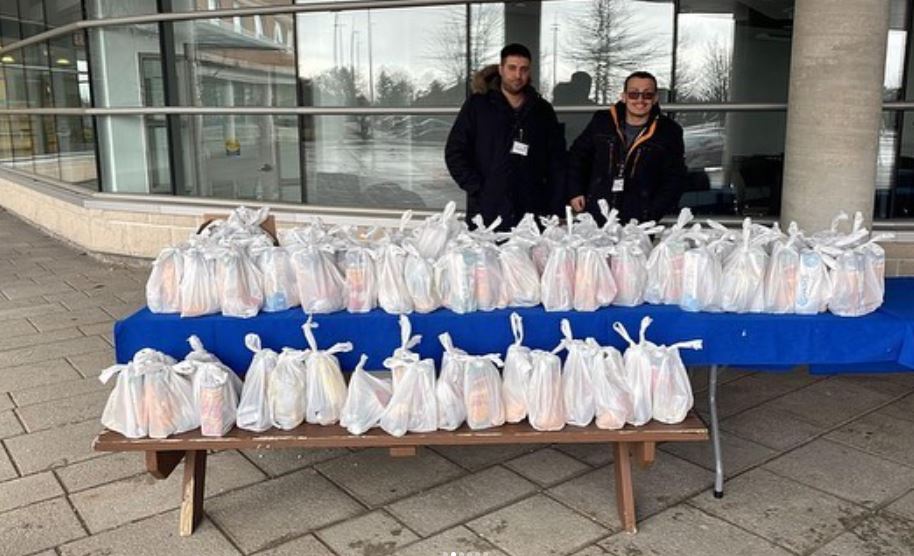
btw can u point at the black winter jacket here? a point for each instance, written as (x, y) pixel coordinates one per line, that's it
(654, 166)
(498, 183)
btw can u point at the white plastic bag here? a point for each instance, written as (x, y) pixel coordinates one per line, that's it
(358, 268)
(744, 274)
(126, 409)
(455, 273)
(413, 406)
(433, 234)
(482, 394)
(254, 405)
(419, 276)
(217, 398)
(629, 268)
(518, 367)
(545, 406)
(783, 269)
(672, 391)
(873, 256)
(163, 288)
(286, 389)
(520, 278)
(487, 268)
(366, 399)
(702, 274)
(664, 265)
(557, 282)
(280, 288)
(325, 386)
(240, 283)
(813, 282)
(641, 359)
(393, 295)
(169, 402)
(594, 285)
(321, 288)
(577, 379)
(199, 289)
(452, 411)
(612, 398)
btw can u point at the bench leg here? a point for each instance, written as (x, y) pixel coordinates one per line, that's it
(161, 464)
(645, 453)
(192, 491)
(715, 434)
(625, 497)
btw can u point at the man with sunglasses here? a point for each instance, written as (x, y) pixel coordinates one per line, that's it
(506, 148)
(631, 155)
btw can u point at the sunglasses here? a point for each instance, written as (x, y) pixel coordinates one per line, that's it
(635, 95)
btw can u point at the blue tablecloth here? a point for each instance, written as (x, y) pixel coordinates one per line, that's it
(882, 341)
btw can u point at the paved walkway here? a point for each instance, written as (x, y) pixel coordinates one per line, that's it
(823, 466)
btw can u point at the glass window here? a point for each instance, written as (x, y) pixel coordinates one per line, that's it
(127, 71)
(727, 53)
(370, 58)
(237, 156)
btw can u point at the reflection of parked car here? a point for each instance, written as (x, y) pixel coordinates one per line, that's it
(704, 144)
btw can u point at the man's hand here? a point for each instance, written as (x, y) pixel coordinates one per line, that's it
(577, 203)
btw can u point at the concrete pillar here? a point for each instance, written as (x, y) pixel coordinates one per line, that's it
(834, 109)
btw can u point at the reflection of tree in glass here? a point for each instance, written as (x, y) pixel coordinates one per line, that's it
(341, 87)
(607, 44)
(715, 70)
(394, 88)
(447, 48)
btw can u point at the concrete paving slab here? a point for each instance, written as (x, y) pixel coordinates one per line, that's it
(537, 525)
(547, 467)
(854, 475)
(686, 530)
(465, 498)
(879, 434)
(375, 533)
(37, 527)
(375, 478)
(785, 512)
(878, 535)
(280, 462)
(271, 512)
(28, 490)
(458, 540)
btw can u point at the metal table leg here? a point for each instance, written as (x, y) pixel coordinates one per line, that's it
(715, 434)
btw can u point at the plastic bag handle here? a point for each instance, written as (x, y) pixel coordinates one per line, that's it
(406, 329)
(449, 209)
(360, 366)
(565, 327)
(195, 343)
(517, 328)
(252, 341)
(836, 221)
(621, 331)
(645, 322)
(446, 342)
(404, 219)
(341, 347)
(858, 221)
(308, 330)
(692, 344)
(106, 375)
(493, 358)
(569, 217)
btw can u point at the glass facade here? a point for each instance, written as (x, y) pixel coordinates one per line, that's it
(412, 67)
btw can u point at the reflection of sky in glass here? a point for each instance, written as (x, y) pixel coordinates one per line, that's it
(894, 59)
(653, 21)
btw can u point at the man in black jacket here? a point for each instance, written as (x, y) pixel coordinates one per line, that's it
(631, 155)
(506, 149)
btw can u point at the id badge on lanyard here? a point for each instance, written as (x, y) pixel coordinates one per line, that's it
(519, 147)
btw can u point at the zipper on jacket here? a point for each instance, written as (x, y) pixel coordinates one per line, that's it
(631, 173)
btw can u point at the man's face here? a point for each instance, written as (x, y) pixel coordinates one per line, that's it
(515, 74)
(639, 88)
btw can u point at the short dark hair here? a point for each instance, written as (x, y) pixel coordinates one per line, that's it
(640, 75)
(515, 49)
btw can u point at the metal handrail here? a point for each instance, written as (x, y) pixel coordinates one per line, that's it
(378, 110)
(329, 6)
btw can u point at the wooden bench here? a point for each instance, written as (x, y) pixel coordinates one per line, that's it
(163, 455)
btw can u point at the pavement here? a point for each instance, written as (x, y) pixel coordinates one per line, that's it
(815, 465)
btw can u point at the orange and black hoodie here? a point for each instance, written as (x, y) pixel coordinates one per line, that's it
(653, 166)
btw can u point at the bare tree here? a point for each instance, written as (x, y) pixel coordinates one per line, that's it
(716, 66)
(448, 47)
(607, 44)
